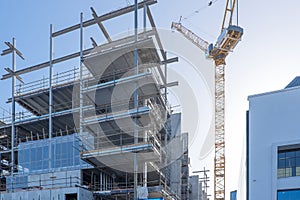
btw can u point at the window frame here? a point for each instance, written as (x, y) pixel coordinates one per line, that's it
(288, 161)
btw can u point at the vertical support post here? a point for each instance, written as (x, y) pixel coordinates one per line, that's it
(0, 161)
(80, 75)
(145, 138)
(145, 17)
(166, 131)
(237, 12)
(13, 105)
(135, 163)
(165, 169)
(166, 81)
(105, 182)
(247, 156)
(50, 97)
(101, 181)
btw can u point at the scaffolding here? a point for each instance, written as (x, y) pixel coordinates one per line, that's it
(80, 103)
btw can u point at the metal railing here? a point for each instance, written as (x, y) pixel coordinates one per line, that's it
(116, 139)
(21, 183)
(61, 78)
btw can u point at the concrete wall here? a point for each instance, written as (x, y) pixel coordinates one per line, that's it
(85, 194)
(176, 124)
(175, 178)
(174, 153)
(273, 122)
(195, 188)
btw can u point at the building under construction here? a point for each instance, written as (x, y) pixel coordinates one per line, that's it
(103, 130)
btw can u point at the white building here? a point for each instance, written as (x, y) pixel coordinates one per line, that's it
(273, 145)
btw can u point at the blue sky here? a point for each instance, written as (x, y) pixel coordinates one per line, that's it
(266, 59)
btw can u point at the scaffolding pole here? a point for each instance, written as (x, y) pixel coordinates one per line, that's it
(13, 49)
(80, 76)
(145, 136)
(13, 109)
(135, 164)
(50, 96)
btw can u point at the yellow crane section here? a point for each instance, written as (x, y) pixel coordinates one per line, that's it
(199, 42)
(226, 42)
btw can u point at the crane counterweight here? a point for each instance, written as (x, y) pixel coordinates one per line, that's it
(226, 42)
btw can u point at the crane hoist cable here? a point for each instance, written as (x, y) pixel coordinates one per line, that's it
(209, 4)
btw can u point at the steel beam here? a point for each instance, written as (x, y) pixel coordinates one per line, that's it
(158, 42)
(11, 49)
(77, 54)
(168, 61)
(172, 84)
(46, 64)
(150, 17)
(105, 17)
(94, 43)
(100, 25)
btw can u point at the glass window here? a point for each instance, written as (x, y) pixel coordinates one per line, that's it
(39, 153)
(281, 163)
(77, 160)
(45, 164)
(33, 159)
(288, 163)
(39, 165)
(298, 153)
(233, 195)
(34, 155)
(63, 163)
(290, 154)
(281, 155)
(297, 171)
(281, 173)
(288, 195)
(45, 152)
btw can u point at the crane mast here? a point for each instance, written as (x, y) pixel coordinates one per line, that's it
(226, 42)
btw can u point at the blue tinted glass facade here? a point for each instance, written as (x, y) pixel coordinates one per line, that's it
(18, 182)
(288, 195)
(33, 156)
(233, 195)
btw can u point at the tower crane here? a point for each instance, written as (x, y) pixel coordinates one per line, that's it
(226, 42)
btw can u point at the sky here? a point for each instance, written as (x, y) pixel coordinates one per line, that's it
(265, 60)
